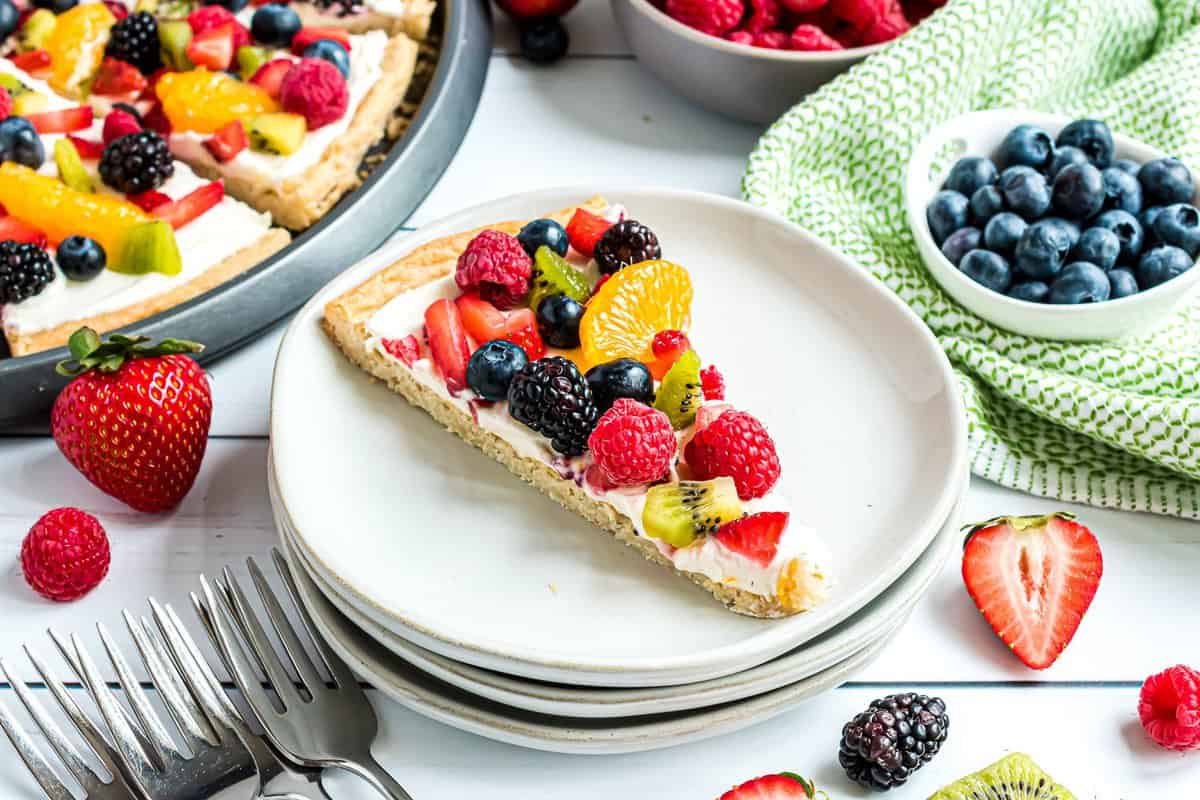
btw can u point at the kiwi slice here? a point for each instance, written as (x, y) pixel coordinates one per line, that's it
(174, 36)
(36, 30)
(29, 103)
(70, 167)
(149, 247)
(553, 274)
(680, 513)
(279, 133)
(249, 59)
(1014, 777)
(12, 84)
(680, 394)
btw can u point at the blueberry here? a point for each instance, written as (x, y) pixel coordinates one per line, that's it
(970, 174)
(80, 258)
(1078, 283)
(1002, 233)
(275, 24)
(1026, 145)
(1161, 264)
(492, 366)
(1128, 230)
(1179, 225)
(1123, 283)
(57, 6)
(19, 142)
(987, 269)
(1147, 218)
(1121, 190)
(9, 16)
(543, 232)
(1065, 157)
(1100, 246)
(1166, 181)
(986, 203)
(1025, 191)
(1127, 165)
(625, 377)
(233, 5)
(947, 212)
(331, 51)
(1042, 249)
(1029, 291)
(1092, 137)
(1069, 228)
(558, 320)
(958, 243)
(544, 40)
(1078, 191)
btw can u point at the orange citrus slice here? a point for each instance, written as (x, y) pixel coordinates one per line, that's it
(76, 44)
(205, 102)
(633, 305)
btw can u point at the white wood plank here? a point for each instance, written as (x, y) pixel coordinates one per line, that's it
(590, 24)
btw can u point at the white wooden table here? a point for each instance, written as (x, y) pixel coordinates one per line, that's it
(598, 117)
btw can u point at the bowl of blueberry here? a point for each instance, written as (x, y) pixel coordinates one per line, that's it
(1053, 227)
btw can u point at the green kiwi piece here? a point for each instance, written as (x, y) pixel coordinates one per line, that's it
(149, 247)
(553, 274)
(37, 30)
(174, 36)
(680, 395)
(12, 84)
(1014, 777)
(70, 167)
(680, 513)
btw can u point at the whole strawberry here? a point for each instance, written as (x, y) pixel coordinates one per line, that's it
(135, 419)
(65, 554)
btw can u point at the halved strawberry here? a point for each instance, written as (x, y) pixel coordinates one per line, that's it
(63, 121)
(117, 77)
(119, 123)
(782, 786)
(448, 342)
(484, 322)
(270, 75)
(407, 349)
(18, 231)
(585, 229)
(306, 36)
(205, 18)
(756, 536)
(1033, 578)
(227, 142)
(149, 200)
(33, 61)
(521, 329)
(213, 48)
(182, 211)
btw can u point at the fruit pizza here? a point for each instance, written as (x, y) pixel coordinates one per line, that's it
(561, 348)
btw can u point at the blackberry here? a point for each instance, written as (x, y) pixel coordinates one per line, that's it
(136, 162)
(551, 397)
(25, 269)
(892, 739)
(135, 40)
(627, 242)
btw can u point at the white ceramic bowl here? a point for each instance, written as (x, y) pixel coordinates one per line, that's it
(751, 83)
(980, 133)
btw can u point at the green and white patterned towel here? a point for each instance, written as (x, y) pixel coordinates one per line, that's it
(1110, 424)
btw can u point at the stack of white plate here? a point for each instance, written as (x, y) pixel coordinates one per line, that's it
(451, 586)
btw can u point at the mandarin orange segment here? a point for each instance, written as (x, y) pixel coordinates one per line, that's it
(205, 102)
(76, 46)
(633, 305)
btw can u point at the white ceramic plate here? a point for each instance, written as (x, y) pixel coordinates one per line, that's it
(877, 621)
(425, 695)
(442, 546)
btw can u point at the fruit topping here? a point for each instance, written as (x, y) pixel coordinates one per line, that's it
(632, 444)
(627, 242)
(119, 123)
(624, 377)
(306, 36)
(448, 344)
(712, 383)
(492, 366)
(270, 75)
(10, 17)
(315, 90)
(76, 45)
(275, 24)
(756, 537)
(631, 307)
(6, 103)
(249, 60)
(192, 205)
(1033, 579)
(148, 201)
(213, 48)
(117, 78)
(545, 40)
(32, 62)
(70, 167)
(407, 349)
(1169, 708)
(13, 229)
(584, 231)
(495, 265)
(1014, 777)
(80, 258)
(280, 133)
(148, 247)
(175, 35)
(883, 746)
(738, 446)
(551, 397)
(35, 32)
(781, 786)
(812, 39)
(330, 51)
(667, 347)
(552, 274)
(134, 40)
(137, 162)
(209, 17)
(1165, 181)
(484, 322)
(680, 394)
(558, 319)
(545, 232)
(25, 270)
(29, 103)
(20, 143)
(205, 102)
(714, 17)
(680, 513)
(65, 554)
(226, 143)
(67, 120)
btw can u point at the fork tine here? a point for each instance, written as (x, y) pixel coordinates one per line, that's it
(29, 754)
(211, 695)
(342, 676)
(66, 751)
(180, 704)
(260, 643)
(292, 645)
(160, 740)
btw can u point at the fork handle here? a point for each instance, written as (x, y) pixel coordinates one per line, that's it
(373, 773)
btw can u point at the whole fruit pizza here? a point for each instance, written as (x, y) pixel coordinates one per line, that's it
(561, 347)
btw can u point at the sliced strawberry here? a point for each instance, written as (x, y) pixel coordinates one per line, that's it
(119, 123)
(448, 342)
(14, 229)
(117, 77)
(585, 229)
(1033, 579)
(306, 36)
(482, 320)
(119, 11)
(783, 786)
(182, 211)
(213, 48)
(227, 142)
(205, 18)
(149, 200)
(65, 121)
(33, 61)
(270, 75)
(756, 536)
(88, 149)
(521, 329)
(407, 349)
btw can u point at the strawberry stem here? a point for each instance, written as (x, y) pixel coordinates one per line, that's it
(1018, 523)
(88, 352)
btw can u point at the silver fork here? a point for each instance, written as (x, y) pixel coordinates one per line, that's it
(334, 725)
(95, 786)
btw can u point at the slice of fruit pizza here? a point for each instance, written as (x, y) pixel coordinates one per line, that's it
(560, 348)
(101, 227)
(410, 17)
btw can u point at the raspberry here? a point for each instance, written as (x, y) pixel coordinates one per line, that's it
(859, 14)
(316, 90)
(738, 446)
(714, 17)
(1169, 707)
(497, 266)
(764, 16)
(632, 444)
(712, 383)
(772, 40)
(65, 555)
(206, 18)
(810, 37)
(740, 37)
(804, 6)
(886, 28)
(6, 103)
(119, 123)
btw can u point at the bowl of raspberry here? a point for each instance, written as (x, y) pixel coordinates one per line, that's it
(1054, 227)
(755, 59)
